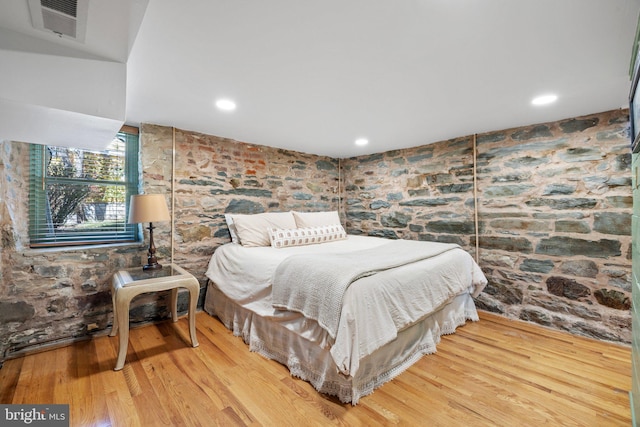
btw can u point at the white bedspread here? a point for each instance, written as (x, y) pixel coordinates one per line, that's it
(315, 285)
(371, 316)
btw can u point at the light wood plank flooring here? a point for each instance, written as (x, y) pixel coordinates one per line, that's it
(495, 372)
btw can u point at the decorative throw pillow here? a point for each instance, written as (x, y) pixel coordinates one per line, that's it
(316, 219)
(283, 238)
(253, 230)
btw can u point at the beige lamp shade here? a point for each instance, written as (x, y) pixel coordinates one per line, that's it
(148, 208)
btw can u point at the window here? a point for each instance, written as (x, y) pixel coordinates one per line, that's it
(81, 197)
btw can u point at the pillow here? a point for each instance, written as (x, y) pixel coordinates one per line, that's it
(316, 219)
(232, 228)
(253, 230)
(282, 238)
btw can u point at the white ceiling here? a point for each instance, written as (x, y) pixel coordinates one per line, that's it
(315, 75)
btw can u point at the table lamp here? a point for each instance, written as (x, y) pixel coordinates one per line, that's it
(149, 208)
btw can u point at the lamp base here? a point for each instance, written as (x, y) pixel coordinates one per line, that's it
(155, 266)
(152, 261)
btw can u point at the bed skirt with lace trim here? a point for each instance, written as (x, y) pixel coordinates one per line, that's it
(306, 360)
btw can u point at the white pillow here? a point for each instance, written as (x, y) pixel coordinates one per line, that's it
(316, 219)
(253, 230)
(282, 238)
(232, 228)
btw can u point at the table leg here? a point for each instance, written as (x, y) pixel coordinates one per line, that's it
(114, 327)
(194, 292)
(122, 309)
(174, 304)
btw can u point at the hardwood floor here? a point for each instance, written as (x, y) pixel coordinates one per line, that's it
(495, 372)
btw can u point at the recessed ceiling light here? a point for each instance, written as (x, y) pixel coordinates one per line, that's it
(226, 104)
(544, 99)
(362, 141)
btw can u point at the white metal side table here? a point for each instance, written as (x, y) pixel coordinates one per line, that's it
(128, 283)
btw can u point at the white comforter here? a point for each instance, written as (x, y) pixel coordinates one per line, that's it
(315, 286)
(371, 316)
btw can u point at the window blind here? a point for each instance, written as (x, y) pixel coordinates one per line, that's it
(81, 197)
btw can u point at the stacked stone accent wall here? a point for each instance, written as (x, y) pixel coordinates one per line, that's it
(215, 176)
(554, 206)
(49, 295)
(554, 210)
(52, 296)
(422, 193)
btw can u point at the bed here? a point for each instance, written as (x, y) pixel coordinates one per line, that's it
(397, 299)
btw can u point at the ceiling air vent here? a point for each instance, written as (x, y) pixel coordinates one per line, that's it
(66, 18)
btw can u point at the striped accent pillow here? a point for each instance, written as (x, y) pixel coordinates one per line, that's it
(286, 237)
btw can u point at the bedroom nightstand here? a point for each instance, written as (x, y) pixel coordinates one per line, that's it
(128, 283)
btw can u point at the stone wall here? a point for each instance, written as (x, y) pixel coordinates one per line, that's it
(554, 211)
(422, 193)
(48, 295)
(215, 176)
(554, 206)
(52, 296)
